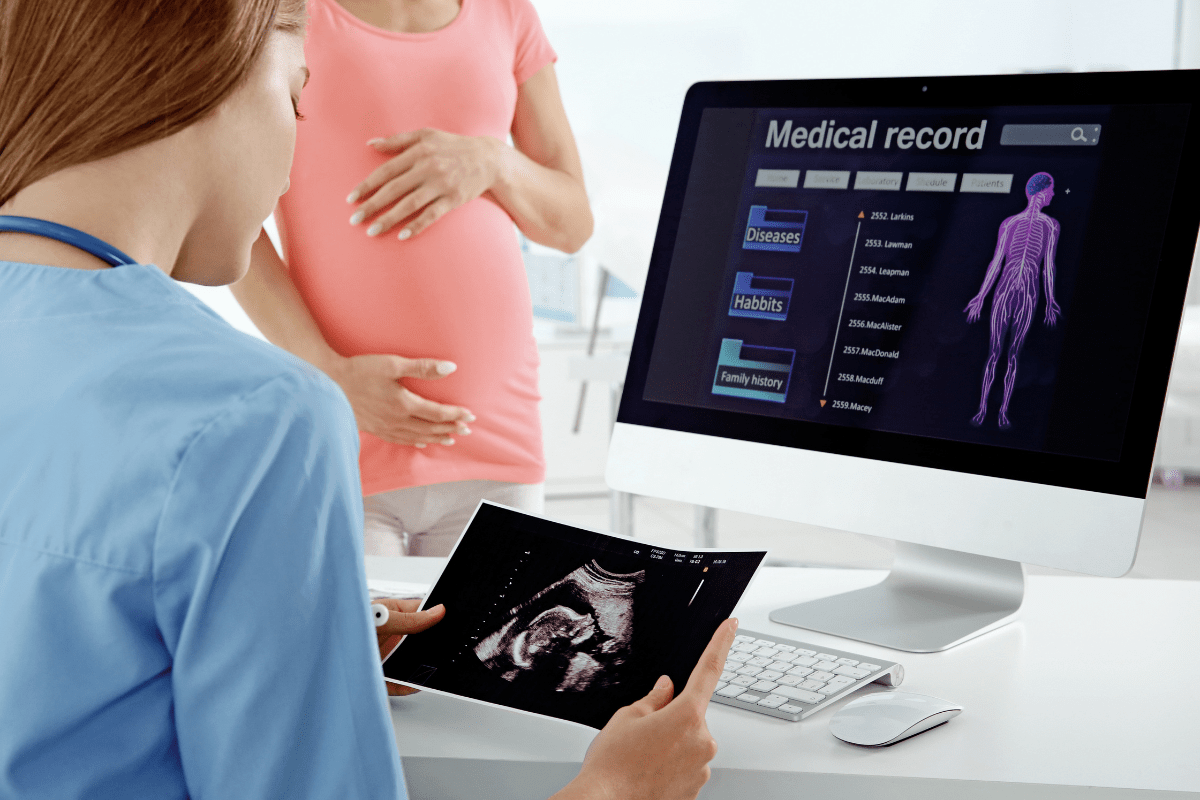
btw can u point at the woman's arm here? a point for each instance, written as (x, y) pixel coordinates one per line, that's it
(539, 182)
(382, 405)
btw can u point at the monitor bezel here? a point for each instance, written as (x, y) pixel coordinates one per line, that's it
(1127, 477)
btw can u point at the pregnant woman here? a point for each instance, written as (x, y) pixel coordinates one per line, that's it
(403, 278)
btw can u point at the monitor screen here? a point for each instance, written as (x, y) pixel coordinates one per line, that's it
(962, 285)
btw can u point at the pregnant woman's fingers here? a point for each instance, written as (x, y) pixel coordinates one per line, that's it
(433, 173)
(390, 410)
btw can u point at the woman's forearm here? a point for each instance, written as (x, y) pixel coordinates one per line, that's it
(549, 205)
(273, 303)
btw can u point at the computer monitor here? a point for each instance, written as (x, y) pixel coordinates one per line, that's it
(937, 310)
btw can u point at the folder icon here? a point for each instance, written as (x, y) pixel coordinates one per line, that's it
(775, 229)
(758, 297)
(755, 373)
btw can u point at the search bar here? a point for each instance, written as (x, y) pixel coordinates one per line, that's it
(1051, 135)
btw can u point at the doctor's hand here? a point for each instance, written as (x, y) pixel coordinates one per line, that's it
(657, 748)
(387, 408)
(430, 173)
(403, 619)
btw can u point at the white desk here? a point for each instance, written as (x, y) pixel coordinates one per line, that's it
(1063, 701)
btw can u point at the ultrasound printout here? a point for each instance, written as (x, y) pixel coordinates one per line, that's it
(548, 619)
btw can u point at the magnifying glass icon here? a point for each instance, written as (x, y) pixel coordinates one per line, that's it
(1077, 135)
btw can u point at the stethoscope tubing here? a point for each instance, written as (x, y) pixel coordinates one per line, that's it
(67, 235)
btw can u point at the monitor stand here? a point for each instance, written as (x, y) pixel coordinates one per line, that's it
(932, 600)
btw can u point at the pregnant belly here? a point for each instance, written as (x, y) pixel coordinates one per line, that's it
(457, 291)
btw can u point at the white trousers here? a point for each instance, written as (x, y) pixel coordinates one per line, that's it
(427, 520)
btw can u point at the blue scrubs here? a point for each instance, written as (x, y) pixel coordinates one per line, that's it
(183, 607)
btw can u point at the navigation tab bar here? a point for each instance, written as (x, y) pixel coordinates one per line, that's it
(987, 182)
(879, 181)
(777, 178)
(931, 181)
(827, 179)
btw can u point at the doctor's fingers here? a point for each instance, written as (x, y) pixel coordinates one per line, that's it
(402, 623)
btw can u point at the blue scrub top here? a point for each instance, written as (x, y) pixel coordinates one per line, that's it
(183, 606)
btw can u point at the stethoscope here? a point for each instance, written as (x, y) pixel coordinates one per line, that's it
(67, 235)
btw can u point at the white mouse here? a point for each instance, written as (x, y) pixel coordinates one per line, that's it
(885, 718)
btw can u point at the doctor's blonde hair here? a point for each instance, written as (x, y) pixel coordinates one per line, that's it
(82, 80)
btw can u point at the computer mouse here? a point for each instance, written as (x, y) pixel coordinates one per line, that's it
(884, 718)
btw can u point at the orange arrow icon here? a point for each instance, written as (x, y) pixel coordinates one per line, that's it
(861, 215)
(822, 404)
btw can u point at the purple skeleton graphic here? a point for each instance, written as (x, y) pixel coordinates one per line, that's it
(1025, 242)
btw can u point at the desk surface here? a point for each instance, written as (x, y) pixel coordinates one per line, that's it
(1091, 686)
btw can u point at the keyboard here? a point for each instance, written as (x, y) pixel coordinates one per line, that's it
(792, 680)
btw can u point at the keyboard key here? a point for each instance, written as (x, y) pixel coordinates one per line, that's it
(812, 686)
(782, 666)
(732, 690)
(829, 666)
(791, 709)
(868, 667)
(787, 648)
(849, 662)
(763, 686)
(741, 637)
(740, 657)
(745, 680)
(837, 680)
(827, 657)
(766, 652)
(744, 647)
(785, 657)
(764, 643)
(793, 693)
(760, 661)
(727, 675)
(772, 701)
(820, 676)
(749, 697)
(802, 672)
(721, 685)
(748, 670)
(769, 675)
(852, 672)
(804, 661)
(803, 652)
(731, 665)
(790, 680)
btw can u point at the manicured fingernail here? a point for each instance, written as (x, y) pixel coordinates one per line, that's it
(447, 441)
(469, 417)
(464, 430)
(374, 229)
(375, 141)
(350, 198)
(404, 234)
(357, 217)
(446, 367)
(419, 444)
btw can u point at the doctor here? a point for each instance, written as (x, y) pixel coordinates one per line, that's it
(181, 571)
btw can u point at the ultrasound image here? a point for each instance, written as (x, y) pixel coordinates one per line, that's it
(549, 619)
(572, 636)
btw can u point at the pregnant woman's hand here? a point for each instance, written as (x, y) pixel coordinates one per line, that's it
(385, 407)
(432, 172)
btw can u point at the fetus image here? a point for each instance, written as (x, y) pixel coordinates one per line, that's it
(1024, 258)
(572, 636)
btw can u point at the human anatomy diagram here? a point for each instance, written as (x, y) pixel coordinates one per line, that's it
(1024, 258)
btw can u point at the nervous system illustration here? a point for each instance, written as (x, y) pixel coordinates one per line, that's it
(572, 636)
(1024, 255)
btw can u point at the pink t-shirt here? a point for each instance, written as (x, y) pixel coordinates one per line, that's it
(456, 291)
